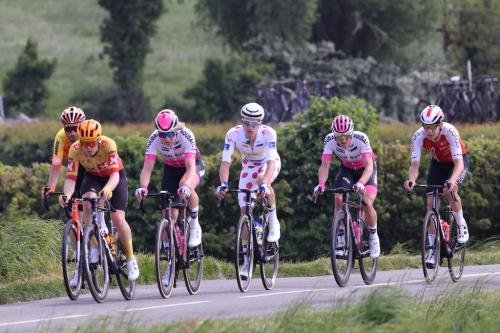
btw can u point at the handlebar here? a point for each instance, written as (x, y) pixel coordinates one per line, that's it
(163, 195)
(434, 188)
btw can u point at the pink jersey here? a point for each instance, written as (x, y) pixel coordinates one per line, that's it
(175, 155)
(354, 155)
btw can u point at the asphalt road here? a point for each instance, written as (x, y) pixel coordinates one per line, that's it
(219, 299)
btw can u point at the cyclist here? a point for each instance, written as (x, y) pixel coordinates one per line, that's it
(260, 165)
(182, 171)
(357, 170)
(70, 119)
(104, 174)
(448, 166)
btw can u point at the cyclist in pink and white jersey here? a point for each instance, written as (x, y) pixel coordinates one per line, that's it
(183, 166)
(448, 167)
(260, 164)
(358, 170)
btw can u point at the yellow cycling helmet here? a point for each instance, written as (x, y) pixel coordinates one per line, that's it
(89, 131)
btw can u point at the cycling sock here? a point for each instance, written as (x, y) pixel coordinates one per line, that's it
(373, 230)
(272, 215)
(102, 222)
(431, 238)
(128, 249)
(193, 213)
(459, 216)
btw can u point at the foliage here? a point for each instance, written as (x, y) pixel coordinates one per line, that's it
(224, 88)
(240, 21)
(24, 86)
(126, 36)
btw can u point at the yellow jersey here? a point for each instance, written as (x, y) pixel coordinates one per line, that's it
(102, 164)
(61, 148)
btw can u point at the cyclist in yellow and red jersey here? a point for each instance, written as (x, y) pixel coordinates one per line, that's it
(104, 175)
(70, 119)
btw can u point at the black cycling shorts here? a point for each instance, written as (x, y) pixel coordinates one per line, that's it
(346, 178)
(440, 172)
(119, 200)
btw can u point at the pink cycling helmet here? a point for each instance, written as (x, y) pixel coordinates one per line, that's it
(431, 115)
(166, 121)
(342, 125)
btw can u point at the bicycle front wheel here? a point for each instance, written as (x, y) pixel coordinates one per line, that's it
(193, 257)
(341, 249)
(95, 262)
(456, 252)
(269, 262)
(367, 265)
(430, 247)
(244, 254)
(70, 259)
(127, 287)
(165, 257)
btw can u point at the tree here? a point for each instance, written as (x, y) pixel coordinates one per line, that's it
(24, 86)
(240, 21)
(125, 35)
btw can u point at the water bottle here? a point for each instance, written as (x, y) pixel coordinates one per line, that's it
(180, 238)
(357, 232)
(446, 231)
(259, 232)
(110, 239)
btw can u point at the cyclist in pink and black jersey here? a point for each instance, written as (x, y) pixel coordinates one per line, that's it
(357, 170)
(183, 166)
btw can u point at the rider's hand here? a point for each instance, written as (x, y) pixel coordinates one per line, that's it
(263, 190)
(221, 190)
(46, 190)
(319, 190)
(63, 200)
(106, 193)
(358, 187)
(183, 192)
(141, 193)
(408, 185)
(451, 186)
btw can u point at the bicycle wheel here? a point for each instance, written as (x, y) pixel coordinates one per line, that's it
(70, 259)
(430, 249)
(341, 249)
(477, 110)
(270, 261)
(165, 257)
(367, 265)
(244, 267)
(96, 266)
(193, 257)
(127, 287)
(457, 252)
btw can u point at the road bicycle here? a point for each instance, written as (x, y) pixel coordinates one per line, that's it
(443, 241)
(492, 102)
(350, 240)
(172, 252)
(252, 229)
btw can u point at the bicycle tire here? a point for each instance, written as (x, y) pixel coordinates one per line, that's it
(269, 263)
(430, 272)
(193, 271)
(97, 273)
(367, 265)
(457, 252)
(70, 260)
(342, 263)
(243, 284)
(165, 256)
(126, 286)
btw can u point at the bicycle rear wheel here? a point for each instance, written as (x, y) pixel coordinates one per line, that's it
(193, 257)
(97, 272)
(341, 249)
(367, 265)
(457, 252)
(70, 259)
(243, 230)
(127, 287)
(269, 262)
(430, 248)
(165, 257)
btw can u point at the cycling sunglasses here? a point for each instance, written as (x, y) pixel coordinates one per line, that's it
(69, 129)
(343, 137)
(250, 123)
(430, 127)
(166, 135)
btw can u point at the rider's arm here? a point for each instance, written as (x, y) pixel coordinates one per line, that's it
(53, 177)
(189, 177)
(367, 172)
(57, 158)
(268, 175)
(324, 168)
(147, 168)
(413, 171)
(224, 171)
(457, 170)
(69, 187)
(113, 180)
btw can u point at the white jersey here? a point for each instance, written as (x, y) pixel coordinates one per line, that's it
(264, 148)
(446, 148)
(175, 155)
(354, 155)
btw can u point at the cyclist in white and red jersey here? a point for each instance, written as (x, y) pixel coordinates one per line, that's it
(448, 167)
(357, 170)
(260, 164)
(183, 166)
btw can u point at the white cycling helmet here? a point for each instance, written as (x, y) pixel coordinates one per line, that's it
(252, 111)
(431, 115)
(72, 116)
(166, 121)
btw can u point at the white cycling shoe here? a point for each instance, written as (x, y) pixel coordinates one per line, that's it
(94, 255)
(194, 235)
(430, 260)
(463, 233)
(166, 278)
(133, 269)
(274, 231)
(74, 279)
(374, 246)
(245, 270)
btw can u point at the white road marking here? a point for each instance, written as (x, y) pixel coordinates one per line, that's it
(163, 306)
(284, 292)
(38, 320)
